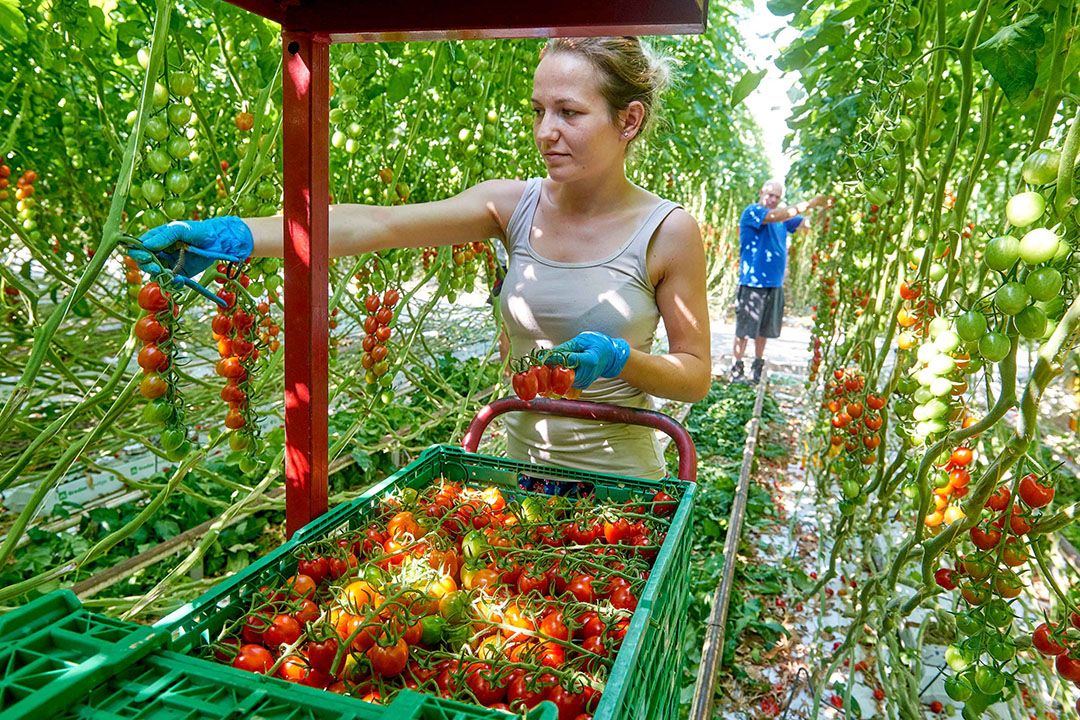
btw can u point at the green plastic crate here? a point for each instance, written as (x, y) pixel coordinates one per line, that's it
(170, 686)
(52, 651)
(644, 681)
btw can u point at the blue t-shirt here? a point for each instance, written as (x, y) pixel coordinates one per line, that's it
(763, 247)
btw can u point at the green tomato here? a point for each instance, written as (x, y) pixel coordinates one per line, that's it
(1025, 208)
(1043, 284)
(1002, 648)
(177, 182)
(180, 452)
(159, 161)
(153, 192)
(1054, 308)
(957, 658)
(161, 96)
(850, 488)
(971, 326)
(248, 464)
(988, 680)
(958, 687)
(179, 147)
(969, 623)
(238, 441)
(454, 607)
(1041, 167)
(994, 346)
(1031, 322)
(1002, 253)
(474, 544)
(433, 627)
(1011, 298)
(904, 128)
(1038, 246)
(998, 613)
(158, 411)
(174, 208)
(182, 84)
(179, 114)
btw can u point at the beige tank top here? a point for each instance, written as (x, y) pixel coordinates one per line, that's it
(545, 303)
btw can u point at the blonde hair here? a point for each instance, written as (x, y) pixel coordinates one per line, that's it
(629, 70)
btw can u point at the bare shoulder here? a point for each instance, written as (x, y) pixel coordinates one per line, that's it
(676, 246)
(500, 197)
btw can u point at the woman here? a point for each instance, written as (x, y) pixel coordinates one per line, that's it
(595, 260)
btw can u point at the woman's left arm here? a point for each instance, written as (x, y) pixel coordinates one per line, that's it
(676, 264)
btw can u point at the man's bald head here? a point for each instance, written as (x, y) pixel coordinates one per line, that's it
(772, 192)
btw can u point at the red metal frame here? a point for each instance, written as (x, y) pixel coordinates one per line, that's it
(590, 411)
(306, 109)
(308, 29)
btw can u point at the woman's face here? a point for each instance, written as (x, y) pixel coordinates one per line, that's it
(572, 123)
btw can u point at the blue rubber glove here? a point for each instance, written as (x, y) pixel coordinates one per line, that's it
(592, 355)
(202, 242)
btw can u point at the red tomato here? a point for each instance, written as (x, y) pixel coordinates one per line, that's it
(152, 299)
(1033, 493)
(1068, 668)
(301, 586)
(150, 330)
(340, 565)
(617, 531)
(624, 599)
(389, 661)
(580, 586)
(553, 626)
(524, 384)
(542, 375)
(526, 691)
(316, 568)
(945, 577)
(663, 504)
(283, 630)
(562, 379)
(255, 625)
(487, 686)
(570, 704)
(320, 655)
(1000, 499)
(253, 658)
(307, 612)
(985, 539)
(1042, 641)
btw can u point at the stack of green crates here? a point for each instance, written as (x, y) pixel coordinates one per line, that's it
(644, 682)
(53, 652)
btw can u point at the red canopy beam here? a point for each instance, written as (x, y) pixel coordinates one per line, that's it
(305, 154)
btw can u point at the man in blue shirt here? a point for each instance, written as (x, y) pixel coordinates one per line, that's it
(763, 230)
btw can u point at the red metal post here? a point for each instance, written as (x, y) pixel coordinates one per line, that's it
(305, 106)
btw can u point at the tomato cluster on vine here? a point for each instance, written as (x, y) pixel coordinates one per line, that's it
(855, 413)
(378, 329)
(157, 330)
(460, 592)
(544, 375)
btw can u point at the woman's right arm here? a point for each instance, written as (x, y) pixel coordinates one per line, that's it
(478, 213)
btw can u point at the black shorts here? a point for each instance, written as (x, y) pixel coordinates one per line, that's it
(759, 312)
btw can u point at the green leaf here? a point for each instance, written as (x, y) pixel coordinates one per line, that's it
(746, 85)
(785, 7)
(12, 22)
(1011, 56)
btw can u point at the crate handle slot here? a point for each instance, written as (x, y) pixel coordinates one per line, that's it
(589, 411)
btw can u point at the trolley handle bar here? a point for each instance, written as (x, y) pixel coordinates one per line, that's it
(590, 411)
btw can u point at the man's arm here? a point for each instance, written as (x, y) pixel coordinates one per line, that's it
(782, 214)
